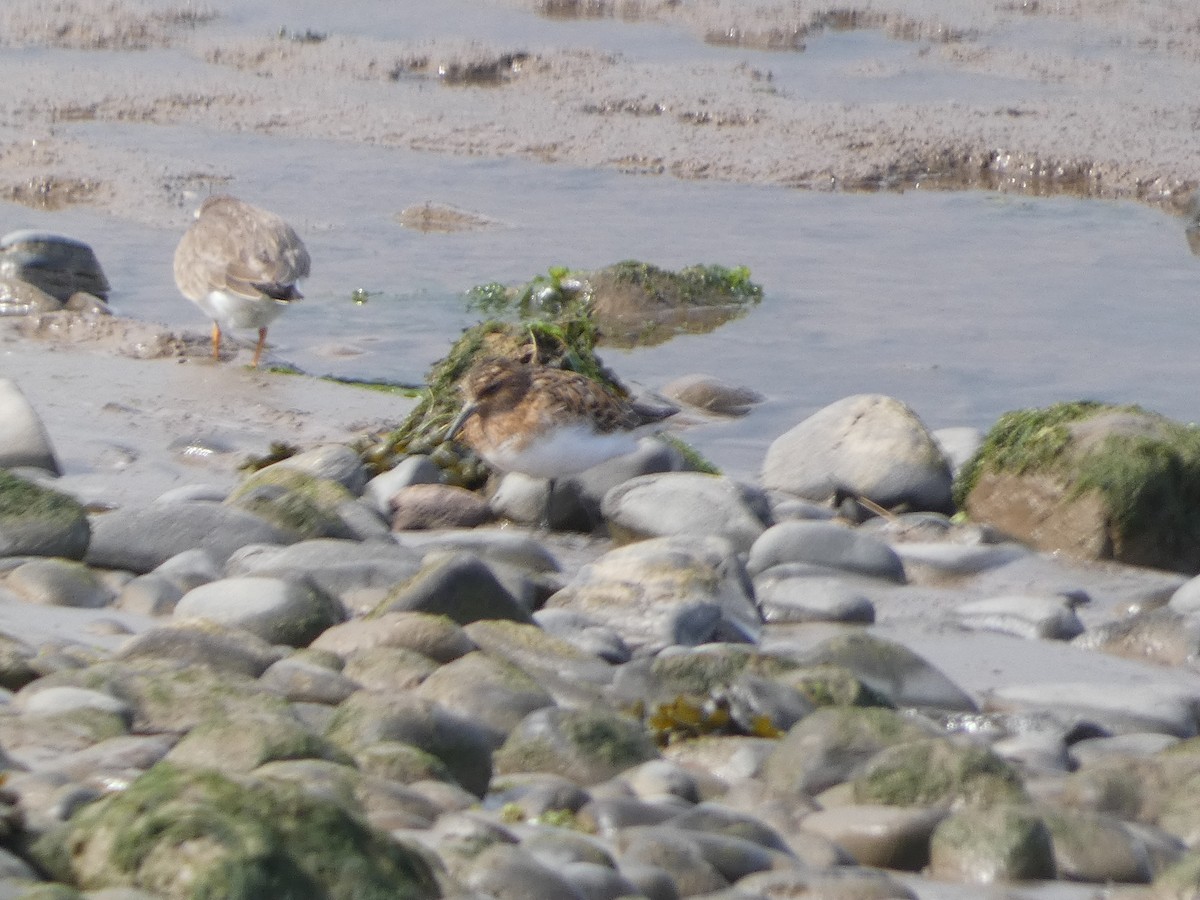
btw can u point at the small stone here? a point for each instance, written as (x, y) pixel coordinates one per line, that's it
(712, 395)
(1049, 617)
(331, 462)
(459, 586)
(416, 469)
(436, 637)
(825, 544)
(427, 506)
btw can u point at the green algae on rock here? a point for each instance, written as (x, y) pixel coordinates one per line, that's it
(934, 771)
(295, 501)
(585, 745)
(1093, 480)
(984, 845)
(38, 521)
(632, 303)
(200, 834)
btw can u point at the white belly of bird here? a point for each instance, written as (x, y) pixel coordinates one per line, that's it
(563, 451)
(234, 311)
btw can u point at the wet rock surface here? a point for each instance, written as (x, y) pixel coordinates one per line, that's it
(755, 696)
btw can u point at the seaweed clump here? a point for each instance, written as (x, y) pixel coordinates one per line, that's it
(632, 303)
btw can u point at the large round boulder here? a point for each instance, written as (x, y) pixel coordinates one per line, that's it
(868, 445)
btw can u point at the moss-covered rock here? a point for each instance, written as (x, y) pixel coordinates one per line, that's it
(296, 501)
(1092, 480)
(831, 686)
(367, 718)
(827, 747)
(199, 834)
(632, 303)
(937, 772)
(400, 762)
(246, 739)
(584, 745)
(37, 521)
(169, 696)
(997, 844)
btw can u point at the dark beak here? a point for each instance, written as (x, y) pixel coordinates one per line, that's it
(456, 426)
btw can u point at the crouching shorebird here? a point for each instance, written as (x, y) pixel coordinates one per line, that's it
(239, 264)
(543, 421)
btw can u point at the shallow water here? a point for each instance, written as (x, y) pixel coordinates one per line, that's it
(962, 304)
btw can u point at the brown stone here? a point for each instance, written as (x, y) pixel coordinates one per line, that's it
(424, 506)
(1038, 510)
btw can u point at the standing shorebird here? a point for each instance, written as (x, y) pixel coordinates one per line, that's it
(542, 421)
(239, 264)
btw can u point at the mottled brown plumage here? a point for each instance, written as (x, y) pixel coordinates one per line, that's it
(240, 264)
(540, 420)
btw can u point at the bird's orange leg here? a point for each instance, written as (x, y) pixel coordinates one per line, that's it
(216, 342)
(262, 339)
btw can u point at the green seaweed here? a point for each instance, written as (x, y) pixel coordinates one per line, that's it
(1023, 441)
(698, 284)
(238, 839)
(1148, 482)
(21, 499)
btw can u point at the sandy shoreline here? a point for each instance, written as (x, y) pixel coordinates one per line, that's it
(1071, 100)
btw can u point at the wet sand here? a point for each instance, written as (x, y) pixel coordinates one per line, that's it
(1033, 97)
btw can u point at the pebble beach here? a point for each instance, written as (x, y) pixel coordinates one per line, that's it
(369, 685)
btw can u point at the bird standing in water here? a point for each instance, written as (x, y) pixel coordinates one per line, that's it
(240, 264)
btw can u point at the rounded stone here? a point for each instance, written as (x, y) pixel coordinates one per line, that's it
(141, 538)
(824, 544)
(867, 445)
(23, 438)
(685, 503)
(331, 462)
(982, 846)
(59, 582)
(277, 610)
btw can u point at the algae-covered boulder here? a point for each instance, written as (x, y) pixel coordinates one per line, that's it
(830, 745)
(986, 845)
(631, 303)
(638, 304)
(934, 771)
(198, 834)
(295, 501)
(1093, 481)
(37, 521)
(586, 746)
